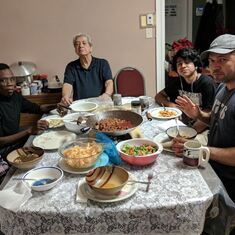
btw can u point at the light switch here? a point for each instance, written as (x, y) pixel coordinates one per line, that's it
(149, 33)
(143, 21)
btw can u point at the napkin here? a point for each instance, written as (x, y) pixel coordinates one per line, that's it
(136, 133)
(164, 125)
(14, 197)
(109, 148)
(79, 196)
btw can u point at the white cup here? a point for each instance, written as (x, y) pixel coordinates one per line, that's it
(195, 154)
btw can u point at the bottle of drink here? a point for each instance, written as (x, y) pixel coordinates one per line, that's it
(25, 90)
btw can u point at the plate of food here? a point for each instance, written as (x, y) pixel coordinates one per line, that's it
(127, 191)
(165, 140)
(165, 113)
(54, 121)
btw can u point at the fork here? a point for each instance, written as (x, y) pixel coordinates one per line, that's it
(150, 177)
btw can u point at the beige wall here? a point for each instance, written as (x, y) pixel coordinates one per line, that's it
(42, 32)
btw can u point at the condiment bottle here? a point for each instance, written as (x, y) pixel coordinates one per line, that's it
(25, 90)
(135, 106)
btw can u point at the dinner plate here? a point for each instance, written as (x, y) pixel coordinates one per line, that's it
(161, 138)
(103, 161)
(54, 121)
(155, 113)
(53, 139)
(127, 191)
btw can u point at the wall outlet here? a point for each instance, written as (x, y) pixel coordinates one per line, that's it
(149, 33)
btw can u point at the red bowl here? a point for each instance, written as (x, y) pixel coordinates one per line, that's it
(139, 160)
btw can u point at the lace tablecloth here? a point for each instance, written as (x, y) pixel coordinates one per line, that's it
(176, 203)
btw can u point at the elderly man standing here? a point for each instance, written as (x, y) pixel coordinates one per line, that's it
(87, 76)
(221, 120)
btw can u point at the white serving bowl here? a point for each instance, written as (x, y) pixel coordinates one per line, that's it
(184, 131)
(83, 106)
(140, 160)
(35, 178)
(71, 123)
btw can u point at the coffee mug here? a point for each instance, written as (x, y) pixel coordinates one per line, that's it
(195, 154)
(145, 102)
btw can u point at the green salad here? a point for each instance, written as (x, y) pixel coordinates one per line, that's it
(141, 150)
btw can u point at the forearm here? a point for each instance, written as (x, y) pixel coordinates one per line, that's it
(109, 87)
(199, 126)
(224, 156)
(46, 108)
(67, 90)
(6, 140)
(161, 98)
(204, 116)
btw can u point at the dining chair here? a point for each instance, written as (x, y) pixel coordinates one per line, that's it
(129, 81)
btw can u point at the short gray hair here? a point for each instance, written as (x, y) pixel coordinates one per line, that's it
(88, 37)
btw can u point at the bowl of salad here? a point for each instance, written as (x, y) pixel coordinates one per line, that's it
(139, 151)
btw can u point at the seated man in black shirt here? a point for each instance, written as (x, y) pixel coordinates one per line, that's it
(11, 105)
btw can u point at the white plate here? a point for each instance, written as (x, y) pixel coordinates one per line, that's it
(50, 118)
(103, 161)
(53, 139)
(161, 138)
(155, 113)
(127, 191)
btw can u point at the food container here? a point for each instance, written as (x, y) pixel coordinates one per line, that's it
(81, 153)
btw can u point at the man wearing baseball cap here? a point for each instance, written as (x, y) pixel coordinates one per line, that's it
(221, 140)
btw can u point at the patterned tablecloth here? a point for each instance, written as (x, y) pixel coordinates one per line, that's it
(176, 203)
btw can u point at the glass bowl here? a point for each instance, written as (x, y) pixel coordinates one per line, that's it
(81, 153)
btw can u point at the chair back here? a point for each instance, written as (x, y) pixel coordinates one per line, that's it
(129, 82)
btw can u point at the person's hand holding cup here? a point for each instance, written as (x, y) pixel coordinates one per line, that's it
(195, 155)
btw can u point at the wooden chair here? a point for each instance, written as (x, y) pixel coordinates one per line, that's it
(129, 82)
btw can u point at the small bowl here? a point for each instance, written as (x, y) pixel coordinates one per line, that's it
(71, 123)
(15, 159)
(43, 178)
(81, 153)
(107, 180)
(184, 131)
(79, 106)
(140, 160)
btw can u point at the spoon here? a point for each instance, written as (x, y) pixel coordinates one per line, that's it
(163, 106)
(138, 182)
(177, 127)
(150, 177)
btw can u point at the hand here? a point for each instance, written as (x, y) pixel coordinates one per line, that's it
(105, 97)
(42, 125)
(187, 106)
(61, 110)
(178, 146)
(66, 100)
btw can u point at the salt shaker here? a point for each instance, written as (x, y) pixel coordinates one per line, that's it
(136, 106)
(117, 99)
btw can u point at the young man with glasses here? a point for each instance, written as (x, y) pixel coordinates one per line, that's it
(11, 105)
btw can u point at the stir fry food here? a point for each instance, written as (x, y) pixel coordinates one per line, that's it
(113, 124)
(141, 150)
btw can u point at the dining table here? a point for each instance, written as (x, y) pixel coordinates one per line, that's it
(181, 200)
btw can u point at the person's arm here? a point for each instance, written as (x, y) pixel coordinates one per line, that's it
(46, 108)
(162, 98)
(67, 94)
(108, 90)
(224, 156)
(33, 130)
(192, 110)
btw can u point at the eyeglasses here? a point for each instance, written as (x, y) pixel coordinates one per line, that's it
(5, 81)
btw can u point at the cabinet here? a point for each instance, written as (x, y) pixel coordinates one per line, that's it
(42, 98)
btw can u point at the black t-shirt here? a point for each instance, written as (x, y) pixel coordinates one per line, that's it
(201, 92)
(10, 109)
